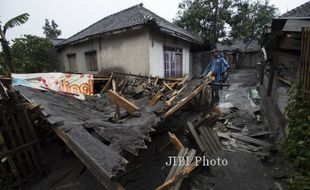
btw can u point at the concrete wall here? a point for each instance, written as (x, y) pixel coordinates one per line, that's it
(139, 52)
(124, 52)
(156, 53)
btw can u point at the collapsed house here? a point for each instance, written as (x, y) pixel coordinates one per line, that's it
(285, 44)
(109, 133)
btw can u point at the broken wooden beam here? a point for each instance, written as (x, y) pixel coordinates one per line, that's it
(180, 175)
(106, 87)
(250, 140)
(177, 143)
(122, 102)
(289, 83)
(185, 100)
(167, 86)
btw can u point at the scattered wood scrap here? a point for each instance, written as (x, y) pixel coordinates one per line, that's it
(178, 176)
(107, 86)
(287, 82)
(244, 138)
(177, 143)
(122, 102)
(185, 100)
(206, 139)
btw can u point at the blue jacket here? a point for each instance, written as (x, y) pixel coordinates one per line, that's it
(218, 66)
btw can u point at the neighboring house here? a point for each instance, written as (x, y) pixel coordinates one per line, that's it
(134, 40)
(282, 67)
(240, 56)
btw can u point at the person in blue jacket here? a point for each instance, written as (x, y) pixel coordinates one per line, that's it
(218, 67)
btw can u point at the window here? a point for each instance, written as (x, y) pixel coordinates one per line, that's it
(72, 62)
(173, 62)
(91, 61)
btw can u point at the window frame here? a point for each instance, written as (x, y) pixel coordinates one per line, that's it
(91, 61)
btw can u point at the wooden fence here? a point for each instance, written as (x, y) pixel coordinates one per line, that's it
(20, 152)
(305, 64)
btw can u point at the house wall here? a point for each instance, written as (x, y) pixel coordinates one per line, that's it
(250, 60)
(157, 42)
(138, 52)
(124, 52)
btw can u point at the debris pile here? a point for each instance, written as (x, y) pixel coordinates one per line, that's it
(109, 130)
(244, 129)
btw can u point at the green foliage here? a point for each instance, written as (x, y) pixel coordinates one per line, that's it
(296, 147)
(198, 16)
(249, 19)
(16, 21)
(7, 54)
(243, 19)
(50, 29)
(32, 54)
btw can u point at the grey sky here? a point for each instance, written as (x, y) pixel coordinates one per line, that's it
(74, 15)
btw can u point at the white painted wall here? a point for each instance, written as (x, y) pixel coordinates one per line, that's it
(156, 53)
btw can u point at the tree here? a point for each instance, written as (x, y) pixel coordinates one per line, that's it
(248, 22)
(206, 18)
(50, 29)
(32, 54)
(16, 21)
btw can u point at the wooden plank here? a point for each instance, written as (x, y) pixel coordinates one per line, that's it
(250, 140)
(167, 86)
(177, 143)
(156, 81)
(215, 138)
(113, 85)
(122, 102)
(155, 98)
(206, 150)
(107, 86)
(18, 149)
(211, 146)
(36, 149)
(185, 100)
(191, 155)
(195, 135)
(173, 169)
(284, 81)
(181, 174)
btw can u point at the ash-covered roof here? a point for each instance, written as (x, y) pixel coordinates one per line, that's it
(238, 45)
(133, 16)
(57, 41)
(300, 11)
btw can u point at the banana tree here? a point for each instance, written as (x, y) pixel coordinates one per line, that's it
(16, 21)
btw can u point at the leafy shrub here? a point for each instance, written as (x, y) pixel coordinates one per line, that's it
(296, 147)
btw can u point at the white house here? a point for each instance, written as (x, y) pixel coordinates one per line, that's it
(133, 40)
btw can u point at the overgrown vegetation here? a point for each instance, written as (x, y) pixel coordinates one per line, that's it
(5, 44)
(296, 147)
(33, 54)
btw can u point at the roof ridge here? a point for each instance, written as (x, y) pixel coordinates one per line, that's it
(132, 7)
(169, 21)
(295, 9)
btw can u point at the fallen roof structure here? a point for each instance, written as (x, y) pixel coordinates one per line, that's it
(89, 127)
